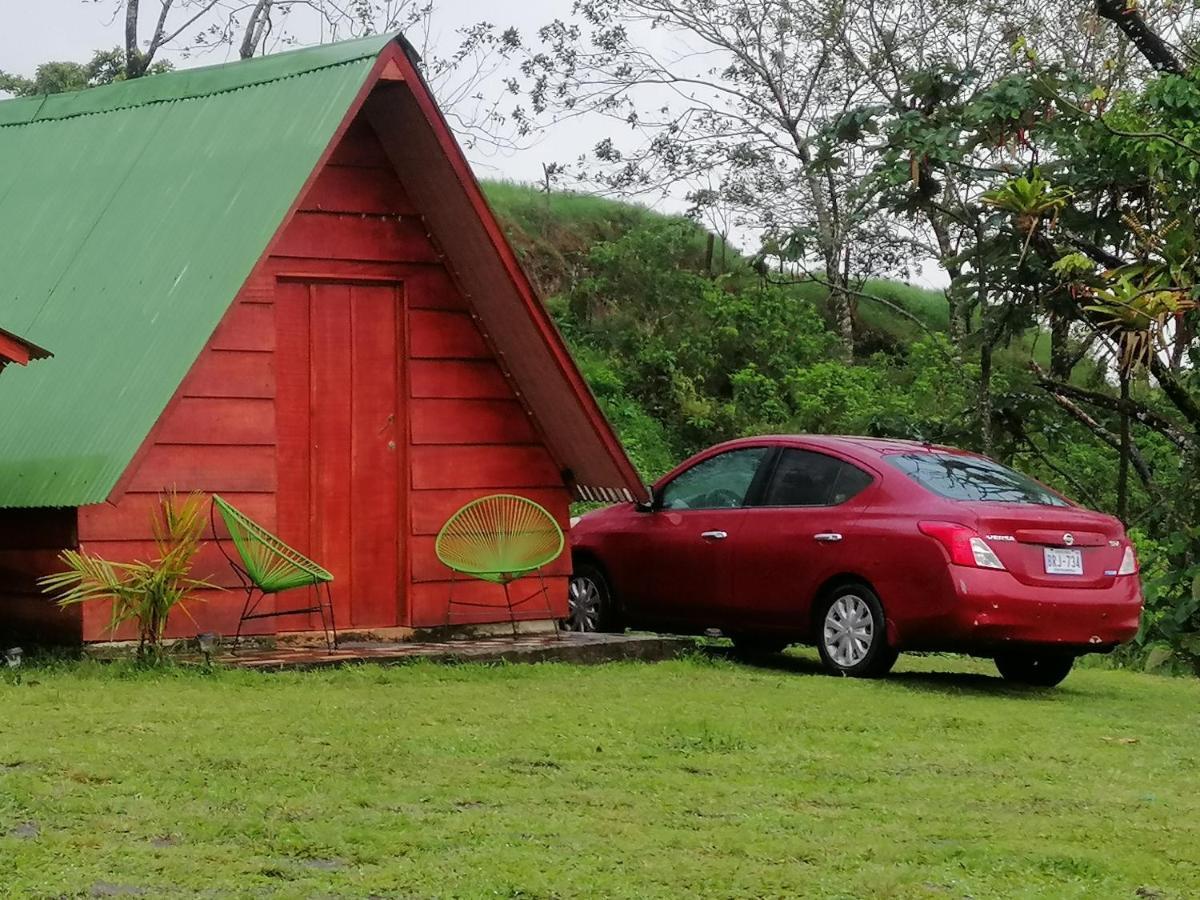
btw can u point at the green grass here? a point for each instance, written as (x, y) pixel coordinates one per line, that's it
(692, 778)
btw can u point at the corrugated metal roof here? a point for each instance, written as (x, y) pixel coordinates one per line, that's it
(130, 216)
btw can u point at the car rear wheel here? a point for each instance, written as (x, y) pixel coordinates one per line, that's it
(589, 601)
(852, 634)
(1039, 670)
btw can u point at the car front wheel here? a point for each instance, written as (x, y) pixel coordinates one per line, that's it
(852, 635)
(1038, 670)
(589, 601)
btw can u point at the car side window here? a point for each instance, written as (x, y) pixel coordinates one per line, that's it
(805, 478)
(719, 482)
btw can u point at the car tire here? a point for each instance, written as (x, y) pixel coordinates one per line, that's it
(1034, 669)
(589, 601)
(749, 646)
(851, 633)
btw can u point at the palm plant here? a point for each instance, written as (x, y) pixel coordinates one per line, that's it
(141, 592)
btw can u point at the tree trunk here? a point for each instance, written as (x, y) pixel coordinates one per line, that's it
(133, 55)
(1127, 17)
(1060, 353)
(256, 27)
(985, 397)
(1126, 447)
(843, 314)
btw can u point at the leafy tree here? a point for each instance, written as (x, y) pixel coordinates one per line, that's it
(104, 67)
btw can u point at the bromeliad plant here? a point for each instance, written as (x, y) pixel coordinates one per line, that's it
(1029, 198)
(141, 592)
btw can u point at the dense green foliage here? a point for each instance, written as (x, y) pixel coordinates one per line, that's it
(697, 778)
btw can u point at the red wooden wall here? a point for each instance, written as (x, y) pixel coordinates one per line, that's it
(467, 432)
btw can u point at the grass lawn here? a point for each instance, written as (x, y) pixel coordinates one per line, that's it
(691, 778)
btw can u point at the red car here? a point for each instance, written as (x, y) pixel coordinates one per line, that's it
(864, 547)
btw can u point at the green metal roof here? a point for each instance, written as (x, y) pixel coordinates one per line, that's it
(130, 217)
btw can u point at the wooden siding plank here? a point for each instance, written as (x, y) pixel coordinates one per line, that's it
(469, 379)
(355, 189)
(497, 468)
(438, 334)
(330, 430)
(433, 288)
(456, 421)
(299, 268)
(293, 416)
(231, 373)
(377, 436)
(219, 420)
(321, 236)
(360, 147)
(247, 326)
(131, 518)
(186, 467)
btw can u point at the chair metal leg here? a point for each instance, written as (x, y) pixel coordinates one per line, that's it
(512, 613)
(549, 605)
(237, 638)
(331, 630)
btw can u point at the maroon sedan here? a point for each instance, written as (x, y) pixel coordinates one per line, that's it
(864, 547)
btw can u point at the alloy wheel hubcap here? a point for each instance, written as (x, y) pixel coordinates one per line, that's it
(583, 605)
(849, 630)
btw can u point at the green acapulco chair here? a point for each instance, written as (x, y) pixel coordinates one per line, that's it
(266, 565)
(500, 538)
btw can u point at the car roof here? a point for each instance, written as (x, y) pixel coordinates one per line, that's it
(874, 446)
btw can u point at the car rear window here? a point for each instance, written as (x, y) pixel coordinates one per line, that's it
(972, 478)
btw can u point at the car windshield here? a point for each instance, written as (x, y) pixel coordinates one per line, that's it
(972, 478)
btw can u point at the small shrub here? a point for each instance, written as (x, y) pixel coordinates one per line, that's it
(141, 592)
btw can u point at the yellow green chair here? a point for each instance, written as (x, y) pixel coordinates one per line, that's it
(266, 566)
(500, 538)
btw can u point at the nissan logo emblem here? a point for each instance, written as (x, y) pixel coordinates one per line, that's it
(1068, 539)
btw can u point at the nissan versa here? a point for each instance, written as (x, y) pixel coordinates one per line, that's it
(864, 547)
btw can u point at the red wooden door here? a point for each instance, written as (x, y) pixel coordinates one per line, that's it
(341, 439)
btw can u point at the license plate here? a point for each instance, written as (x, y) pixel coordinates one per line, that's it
(1063, 562)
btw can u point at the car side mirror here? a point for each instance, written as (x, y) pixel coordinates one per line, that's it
(649, 505)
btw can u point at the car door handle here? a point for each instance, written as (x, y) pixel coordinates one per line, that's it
(714, 535)
(828, 537)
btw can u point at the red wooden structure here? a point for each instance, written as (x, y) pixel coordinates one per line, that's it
(386, 362)
(16, 350)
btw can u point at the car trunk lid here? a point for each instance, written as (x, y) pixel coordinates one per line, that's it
(1066, 547)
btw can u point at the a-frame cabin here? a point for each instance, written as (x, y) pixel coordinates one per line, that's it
(276, 280)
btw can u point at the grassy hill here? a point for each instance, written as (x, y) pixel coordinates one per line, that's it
(553, 233)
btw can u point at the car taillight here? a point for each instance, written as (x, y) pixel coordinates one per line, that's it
(963, 544)
(1129, 562)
